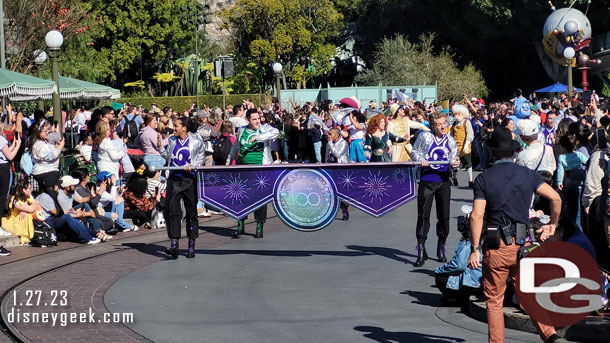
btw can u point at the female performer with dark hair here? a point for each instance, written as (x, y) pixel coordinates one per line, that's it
(184, 150)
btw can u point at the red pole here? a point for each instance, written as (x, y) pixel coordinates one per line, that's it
(584, 84)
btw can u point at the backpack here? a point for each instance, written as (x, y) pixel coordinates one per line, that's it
(27, 163)
(222, 148)
(130, 131)
(44, 234)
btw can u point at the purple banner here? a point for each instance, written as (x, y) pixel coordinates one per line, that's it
(306, 196)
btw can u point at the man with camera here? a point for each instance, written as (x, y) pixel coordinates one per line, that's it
(503, 196)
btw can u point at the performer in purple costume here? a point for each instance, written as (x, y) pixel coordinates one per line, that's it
(184, 150)
(434, 184)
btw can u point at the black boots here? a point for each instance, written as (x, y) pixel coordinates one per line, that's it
(259, 230)
(422, 255)
(345, 215)
(173, 249)
(191, 251)
(440, 252)
(240, 228)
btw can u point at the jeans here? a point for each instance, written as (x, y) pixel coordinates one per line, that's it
(317, 147)
(74, 225)
(156, 161)
(119, 210)
(91, 220)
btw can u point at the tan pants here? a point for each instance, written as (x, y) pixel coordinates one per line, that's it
(208, 160)
(498, 264)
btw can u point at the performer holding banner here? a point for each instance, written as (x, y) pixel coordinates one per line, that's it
(184, 150)
(434, 184)
(253, 146)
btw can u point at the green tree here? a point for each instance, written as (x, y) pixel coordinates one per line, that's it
(400, 62)
(498, 36)
(299, 33)
(28, 21)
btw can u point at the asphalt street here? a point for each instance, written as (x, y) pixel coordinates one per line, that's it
(351, 282)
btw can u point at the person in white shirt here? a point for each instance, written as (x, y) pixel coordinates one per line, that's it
(537, 155)
(45, 155)
(108, 154)
(238, 117)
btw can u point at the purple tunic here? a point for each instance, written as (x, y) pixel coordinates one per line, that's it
(439, 151)
(547, 132)
(181, 156)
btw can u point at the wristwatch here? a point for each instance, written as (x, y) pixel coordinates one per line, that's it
(473, 248)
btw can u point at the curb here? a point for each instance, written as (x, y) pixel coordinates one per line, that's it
(591, 329)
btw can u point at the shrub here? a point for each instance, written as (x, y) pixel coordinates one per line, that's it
(181, 103)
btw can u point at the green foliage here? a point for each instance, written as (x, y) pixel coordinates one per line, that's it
(181, 103)
(139, 38)
(400, 62)
(299, 33)
(498, 36)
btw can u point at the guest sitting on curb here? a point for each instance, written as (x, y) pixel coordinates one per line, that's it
(454, 279)
(57, 219)
(20, 221)
(137, 206)
(82, 211)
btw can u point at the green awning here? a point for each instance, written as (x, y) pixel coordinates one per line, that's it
(70, 88)
(17, 84)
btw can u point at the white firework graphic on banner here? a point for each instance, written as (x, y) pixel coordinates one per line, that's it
(211, 179)
(347, 180)
(261, 182)
(375, 186)
(236, 188)
(400, 176)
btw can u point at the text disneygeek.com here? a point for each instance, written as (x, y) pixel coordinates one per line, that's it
(36, 307)
(17, 316)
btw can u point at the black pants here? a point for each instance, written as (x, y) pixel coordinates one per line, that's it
(426, 193)
(461, 294)
(185, 189)
(5, 186)
(260, 215)
(597, 234)
(138, 217)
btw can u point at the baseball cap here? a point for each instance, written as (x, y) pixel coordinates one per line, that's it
(527, 127)
(67, 181)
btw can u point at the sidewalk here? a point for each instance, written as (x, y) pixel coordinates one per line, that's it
(591, 329)
(85, 272)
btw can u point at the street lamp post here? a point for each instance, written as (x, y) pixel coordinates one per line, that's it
(54, 40)
(568, 53)
(583, 61)
(277, 69)
(40, 57)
